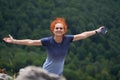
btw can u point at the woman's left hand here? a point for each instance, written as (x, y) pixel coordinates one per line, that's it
(102, 30)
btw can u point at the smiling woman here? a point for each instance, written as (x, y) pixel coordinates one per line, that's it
(58, 20)
(58, 32)
(56, 45)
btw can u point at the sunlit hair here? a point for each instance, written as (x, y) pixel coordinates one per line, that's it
(58, 20)
(37, 73)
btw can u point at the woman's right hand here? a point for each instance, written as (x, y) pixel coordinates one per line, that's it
(8, 39)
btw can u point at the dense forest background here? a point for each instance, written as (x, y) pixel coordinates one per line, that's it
(94, 58)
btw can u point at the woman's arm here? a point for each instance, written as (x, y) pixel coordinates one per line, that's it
(87, 34)
(27, 42)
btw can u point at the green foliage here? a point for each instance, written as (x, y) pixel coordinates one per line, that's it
(95, 58)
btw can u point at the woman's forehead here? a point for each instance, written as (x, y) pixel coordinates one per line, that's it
(59, 25)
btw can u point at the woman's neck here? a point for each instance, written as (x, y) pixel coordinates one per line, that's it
(58, 39)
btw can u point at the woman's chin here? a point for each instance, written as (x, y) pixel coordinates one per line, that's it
(59, 35)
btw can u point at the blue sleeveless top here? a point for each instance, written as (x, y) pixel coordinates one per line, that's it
(56, 53)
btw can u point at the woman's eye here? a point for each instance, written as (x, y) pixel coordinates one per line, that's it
(59, 28)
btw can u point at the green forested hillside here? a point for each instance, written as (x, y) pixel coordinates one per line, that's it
(95, 58)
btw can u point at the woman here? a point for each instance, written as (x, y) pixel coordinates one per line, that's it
(56, 45)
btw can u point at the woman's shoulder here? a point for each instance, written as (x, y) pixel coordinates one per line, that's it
(69, 35)
(46, 38)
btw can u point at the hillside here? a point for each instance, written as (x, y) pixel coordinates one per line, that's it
(95, 58)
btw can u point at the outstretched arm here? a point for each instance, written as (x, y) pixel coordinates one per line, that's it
(27, 42)
(87, 34)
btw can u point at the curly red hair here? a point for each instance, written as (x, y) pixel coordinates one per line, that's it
(58, 20)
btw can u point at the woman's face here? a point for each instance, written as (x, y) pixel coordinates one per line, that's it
(59, 30)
